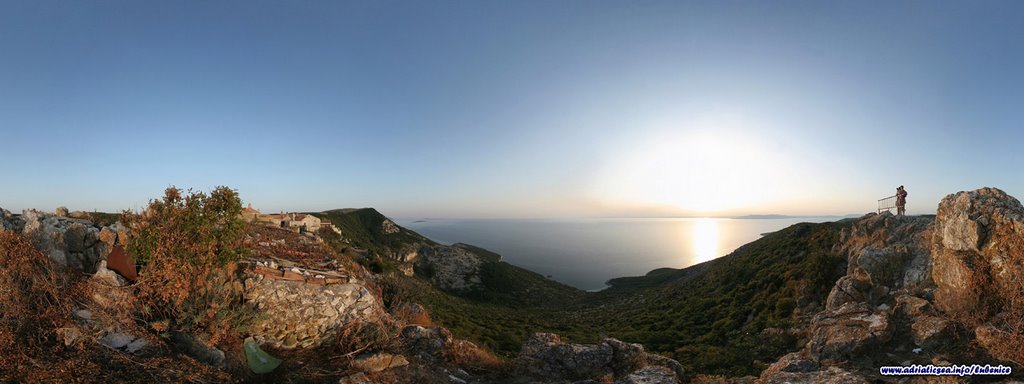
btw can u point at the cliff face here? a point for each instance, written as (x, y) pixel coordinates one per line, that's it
(921, 290)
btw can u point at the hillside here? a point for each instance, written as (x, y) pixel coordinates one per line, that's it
(730, 315)
(378, 303)
(726, 316)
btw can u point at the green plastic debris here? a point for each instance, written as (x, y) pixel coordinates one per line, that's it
(259, 361)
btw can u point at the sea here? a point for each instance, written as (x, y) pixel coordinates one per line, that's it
(586, 253)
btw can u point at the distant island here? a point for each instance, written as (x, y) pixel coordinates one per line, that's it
(776, 216)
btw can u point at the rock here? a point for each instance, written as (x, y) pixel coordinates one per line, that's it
(977, 252)
(356, 378)
(46, 234)
(846, 290)
(662, 361)
(830, 375)
(430, 344)
(83, 314)
(136, 345)
(61, 212)
(545, 357)
(377, 362)
(795, 362)
(650, 375)
(550, 358)
(74, 237)
(452, 268)
(197, 349)
(911, 306)
(888, 251)
(848, 331)
(626, 357)
(930, 332)
(412, 313)
(880, 266)
(107, 277)
(117, 340)
(69, 335)
(108, 236)
(389, 227)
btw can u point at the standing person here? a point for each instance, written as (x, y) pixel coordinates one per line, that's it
(901, 201)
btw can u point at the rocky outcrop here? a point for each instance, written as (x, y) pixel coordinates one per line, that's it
(911, 286)
(389, 227)
(451, 268)
(304, 314)
(884, 254)
(73, 242)
(978, 254)
(10, 222)
(545, 357)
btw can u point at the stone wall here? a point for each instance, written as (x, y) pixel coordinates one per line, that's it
(306, 313)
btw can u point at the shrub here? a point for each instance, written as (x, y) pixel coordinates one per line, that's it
(188, 246)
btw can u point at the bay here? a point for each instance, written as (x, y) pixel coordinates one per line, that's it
(585, 253)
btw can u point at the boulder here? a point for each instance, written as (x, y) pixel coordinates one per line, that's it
(930, 332)
(793, 362)
(108, 236)
(977, 253)
(431, 344)
(848, 331)
(846, 290)
(880, 266)
(830, 375)
(197, 349)
(650, 375)
(377, 362)
(61, 212)
(10, 221)
(545, 357)
(117, 340)
(909, 306)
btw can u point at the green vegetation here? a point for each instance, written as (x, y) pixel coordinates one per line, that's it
(364, 228)
(730, 316)
(187, 245)
(726, 316)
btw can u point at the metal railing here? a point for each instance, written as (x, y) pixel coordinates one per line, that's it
(887, 203)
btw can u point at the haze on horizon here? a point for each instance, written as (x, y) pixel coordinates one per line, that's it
(511, 108)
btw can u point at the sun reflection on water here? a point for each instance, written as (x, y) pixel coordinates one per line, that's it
(705, 240)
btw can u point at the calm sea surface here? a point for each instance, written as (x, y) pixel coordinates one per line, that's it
(586, 253)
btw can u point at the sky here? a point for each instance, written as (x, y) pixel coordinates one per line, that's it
(504, 109)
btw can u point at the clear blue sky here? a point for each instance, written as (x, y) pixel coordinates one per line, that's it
(511, 108)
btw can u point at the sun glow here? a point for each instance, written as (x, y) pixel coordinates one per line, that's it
(698, 172)
(705, 240)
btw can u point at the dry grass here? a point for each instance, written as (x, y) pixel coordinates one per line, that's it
(411, 314)
(37, 297)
